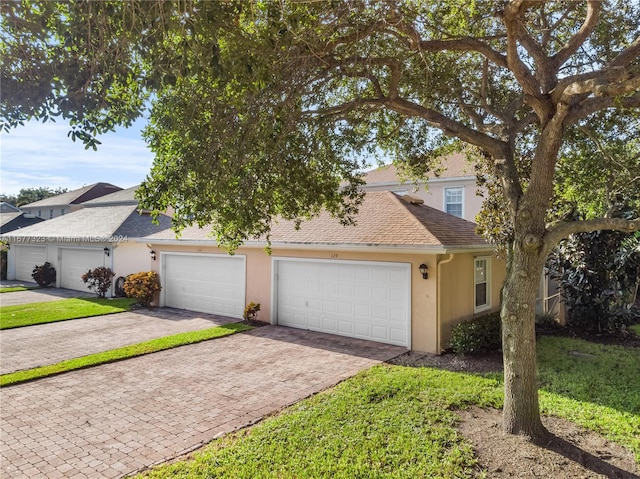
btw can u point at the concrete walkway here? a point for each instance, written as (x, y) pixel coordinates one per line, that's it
(115, 419)
(39, 345)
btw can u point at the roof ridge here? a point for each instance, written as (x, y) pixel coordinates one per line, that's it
(413, 217)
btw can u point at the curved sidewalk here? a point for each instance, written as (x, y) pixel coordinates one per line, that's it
(118, 418)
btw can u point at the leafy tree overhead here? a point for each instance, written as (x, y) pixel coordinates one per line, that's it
(265, 108)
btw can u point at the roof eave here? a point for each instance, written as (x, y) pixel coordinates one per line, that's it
(377, 248)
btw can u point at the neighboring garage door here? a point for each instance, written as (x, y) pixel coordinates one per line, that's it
(27, 257)
(74, 262)
(206, 283)
(364, 300)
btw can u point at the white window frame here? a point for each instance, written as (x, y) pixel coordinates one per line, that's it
(487, 281)
(445, 203)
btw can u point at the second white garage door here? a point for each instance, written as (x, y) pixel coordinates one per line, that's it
(27, 258)
(366, 300)
(74, 262)
(207, 283)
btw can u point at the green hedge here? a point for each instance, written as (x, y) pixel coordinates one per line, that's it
(478, 335)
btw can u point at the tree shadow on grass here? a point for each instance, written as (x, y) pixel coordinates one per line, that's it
(590, 461)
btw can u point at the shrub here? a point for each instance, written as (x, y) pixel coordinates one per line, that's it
(251, 311)
(44, 275)
(99, 280)
(142, 287)
(481, 334)
(598, 273)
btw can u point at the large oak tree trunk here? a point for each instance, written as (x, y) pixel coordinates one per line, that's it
(521, 414)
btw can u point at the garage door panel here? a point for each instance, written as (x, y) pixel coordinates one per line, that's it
(205, 283)
(74, 262)
(362, 300)
(26, 258)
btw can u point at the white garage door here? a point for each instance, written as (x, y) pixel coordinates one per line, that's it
(27, 257)
(74, 262)
(356, 299)
(207, 283)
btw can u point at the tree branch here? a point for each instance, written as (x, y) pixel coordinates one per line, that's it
(587, 28)
(448, 126)
(618, 81)
(560, 231)
(462, 44)
(595, 104)
(524, 76)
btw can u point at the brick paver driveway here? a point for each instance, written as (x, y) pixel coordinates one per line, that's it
(24, 348)
(39, 295)
(117, 418)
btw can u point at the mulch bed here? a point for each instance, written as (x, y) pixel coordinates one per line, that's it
(569, 452)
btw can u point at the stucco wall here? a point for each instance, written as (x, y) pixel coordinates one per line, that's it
(434, 196)
(456, 285)
(130, 257)
(259, 286)
(457, 301)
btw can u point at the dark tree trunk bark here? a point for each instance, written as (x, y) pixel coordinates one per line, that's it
(521, 413)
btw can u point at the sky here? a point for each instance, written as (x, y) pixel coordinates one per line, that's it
(40, 154)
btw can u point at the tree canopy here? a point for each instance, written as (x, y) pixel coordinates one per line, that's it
(31, 195)
(263, 109)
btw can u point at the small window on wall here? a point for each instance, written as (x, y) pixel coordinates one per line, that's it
(62, 212)
(481, 282)
(50, 214)
(453, 201)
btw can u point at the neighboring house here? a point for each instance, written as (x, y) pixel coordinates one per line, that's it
(83, 240)
(11, 218)
(68, 202)
(362, 281)
(119, 198)
(8, 208)
(454, 191)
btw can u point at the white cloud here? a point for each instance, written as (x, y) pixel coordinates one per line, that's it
(42, 155)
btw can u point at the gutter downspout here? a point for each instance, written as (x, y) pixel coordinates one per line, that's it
(438, 300)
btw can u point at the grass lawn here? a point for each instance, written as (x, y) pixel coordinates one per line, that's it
(52, 311)
(399, 422)
(13, 289)
(125, 352)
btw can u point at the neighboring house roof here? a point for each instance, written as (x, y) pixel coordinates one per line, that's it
(8, 208)
(384, 219)
(454, 166)
(122, 197)
(16, 220)
(76, 197)
(108, 224)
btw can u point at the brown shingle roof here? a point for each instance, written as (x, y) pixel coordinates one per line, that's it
(76, 196)
(454, 165)
(384, 219)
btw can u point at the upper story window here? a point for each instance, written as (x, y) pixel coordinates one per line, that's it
(482, 293)
(39, 213)
(61, 211)
(453, 201)
(50, 214)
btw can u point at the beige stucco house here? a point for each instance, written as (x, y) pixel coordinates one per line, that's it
(453, 190)
(366, 281)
